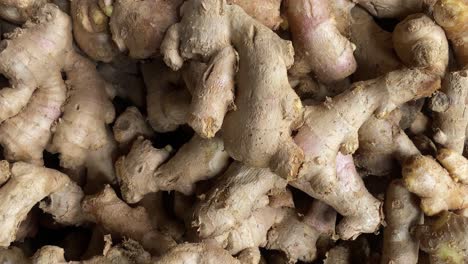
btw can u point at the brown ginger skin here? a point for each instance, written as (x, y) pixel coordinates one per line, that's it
(401, 214)
(30, 106)
(451, 122)
(266, 12)
(141, 172)
(91, 30)
(19, 11)
(297, 237)
(395, 8)
(27, 185)
(445, 239)
(258, 132)
(420, 42)
(322, 140)
(202, 252)
(167, 104)
(106, 209)
(374, 52)
(455, 164)
(128, 16)
(381, 143)
(88, 111)
(320, 47)
(434, 185)
(452, 16)
(130, 125)
(220, 210)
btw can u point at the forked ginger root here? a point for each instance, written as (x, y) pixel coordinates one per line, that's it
(27, 185)
(220, 209)
(320, 48)
(266, 12)
(322, 141)
(106, 209)
(434, 184)
(29, 107)
(445, 239)
(144, 170)
(402, 213)
(258, 132)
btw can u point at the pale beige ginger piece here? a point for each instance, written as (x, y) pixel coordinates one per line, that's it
(258, 132)
(433, 184)
(297, 236)
(455, 164)
(212, 88)
(402, 213)
(5, 172)
(13, 255)
(128, 252)
(349, 192)
(319, 46)
(126, 19)
(200, 253)
(266, 12)
(451, 122)
(220, 210)
(322, 141)
(82, 134)
(91, 30)
(374, 52)
(27, 185)
(65, 205)
(420, 42)
(130, 125)
(395, 8)
(445, 239)
(382, 143)
(452, 15)
(107, 210)
(250, 256)
(167, 104)
(146, 169)
(250, 232)
(19, 11)
(31, 104)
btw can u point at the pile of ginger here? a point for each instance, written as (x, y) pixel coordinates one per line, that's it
(234, 131)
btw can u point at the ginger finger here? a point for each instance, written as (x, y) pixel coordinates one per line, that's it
(106, 209)
(141, 172)
(402, 213)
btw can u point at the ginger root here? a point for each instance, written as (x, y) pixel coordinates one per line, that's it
(28, 184)
(419, 42)
(106, 209)
(434, 184)
(258, 132)
(395, 8)
(401, 214)
(320, 48)
(452, 16)
(266, 12)
(19, 11)
(323, 141)
(203, 254)
(451, 123)
(141, 172)
(444, 239)
(130, 125)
